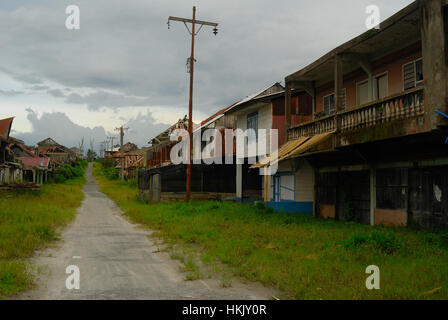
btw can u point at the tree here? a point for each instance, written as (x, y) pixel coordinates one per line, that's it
(91, 155)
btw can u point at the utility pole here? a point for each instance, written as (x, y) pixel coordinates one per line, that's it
(121, 129)
(112, 140)
(193, 33)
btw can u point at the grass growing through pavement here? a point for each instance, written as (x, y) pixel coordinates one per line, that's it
(28, 221)
(306, 258)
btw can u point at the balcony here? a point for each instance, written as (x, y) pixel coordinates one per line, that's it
(406, 105)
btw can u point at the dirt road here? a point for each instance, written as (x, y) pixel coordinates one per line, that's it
(117, 260)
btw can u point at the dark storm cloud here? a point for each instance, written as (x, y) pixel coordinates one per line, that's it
(125, 47)
(59, 127)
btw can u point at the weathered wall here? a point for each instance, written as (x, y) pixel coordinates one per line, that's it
(304, 181)
(390, 217)
(434, 50)
(327, 211)
(395, 78)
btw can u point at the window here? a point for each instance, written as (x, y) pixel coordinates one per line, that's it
(252, 122)
(362, 92)
(329, 102)
(381, 86)
(413, 74)
(391, 189)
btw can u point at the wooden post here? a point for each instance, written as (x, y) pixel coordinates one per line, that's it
(287, 109)
(266, 185)
(239, 182)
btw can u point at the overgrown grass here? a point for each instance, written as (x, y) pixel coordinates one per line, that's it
(305, 257)
(28, 221)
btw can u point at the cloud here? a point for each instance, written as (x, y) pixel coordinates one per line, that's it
(124, 56)
(57, 93)
(60, 127)
(10, 93)
(96, 100)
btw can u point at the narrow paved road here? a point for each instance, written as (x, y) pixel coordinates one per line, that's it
(118, 261)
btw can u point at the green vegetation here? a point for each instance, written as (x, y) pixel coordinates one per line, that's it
(66, 172)
(28, 221)
(305, 257)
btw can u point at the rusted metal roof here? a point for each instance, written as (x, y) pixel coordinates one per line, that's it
(5, 127)
(35, 162)
(281, 153)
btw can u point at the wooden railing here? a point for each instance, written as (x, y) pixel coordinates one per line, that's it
(401, 106)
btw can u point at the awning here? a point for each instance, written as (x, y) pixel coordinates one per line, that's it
(283, 152)
(313, 141)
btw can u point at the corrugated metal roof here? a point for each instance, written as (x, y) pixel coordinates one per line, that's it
(313, 141)
(281, 153)
(35, 162)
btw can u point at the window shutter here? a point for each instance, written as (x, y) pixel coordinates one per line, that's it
(409, 76)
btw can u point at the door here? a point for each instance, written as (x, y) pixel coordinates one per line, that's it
(362, 93)
(283, 187)
(381, 86)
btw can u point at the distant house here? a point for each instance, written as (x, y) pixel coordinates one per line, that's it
(35, 169)
(9, 170)
(55, 151)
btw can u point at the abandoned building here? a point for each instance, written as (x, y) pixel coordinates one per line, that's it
(374, 150)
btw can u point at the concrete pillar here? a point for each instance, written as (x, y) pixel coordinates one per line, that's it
(434, 31)
(34, 176)
(239, 182)
(372, 195)
(287, 109)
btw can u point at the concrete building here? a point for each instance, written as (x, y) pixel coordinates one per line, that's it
(374, 150)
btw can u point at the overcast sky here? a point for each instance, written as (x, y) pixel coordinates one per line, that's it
(125, 67)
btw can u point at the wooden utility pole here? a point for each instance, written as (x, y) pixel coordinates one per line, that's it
(121, 129)
(193, 33)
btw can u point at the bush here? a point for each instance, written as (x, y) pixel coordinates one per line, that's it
(386, 242)
(66, 172)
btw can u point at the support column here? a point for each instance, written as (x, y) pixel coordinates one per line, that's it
(434, 36)
(372, 195)
(287, 109)
(34, 176)
(239, 182)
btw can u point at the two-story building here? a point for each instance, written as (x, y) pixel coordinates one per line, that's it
(374, 151)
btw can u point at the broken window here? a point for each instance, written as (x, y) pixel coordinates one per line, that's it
(329, 104)
(413, 74)
(391, 188)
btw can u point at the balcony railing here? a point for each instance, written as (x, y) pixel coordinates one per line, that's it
(401, 106)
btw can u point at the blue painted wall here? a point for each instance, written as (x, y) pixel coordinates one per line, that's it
(303, 207)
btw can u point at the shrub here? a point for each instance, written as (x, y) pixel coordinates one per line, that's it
(386, 242)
